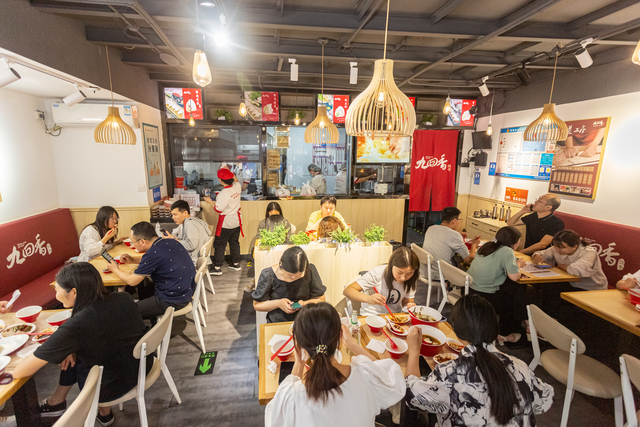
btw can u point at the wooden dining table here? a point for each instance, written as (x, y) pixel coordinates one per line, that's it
(110, 279)
(612, 305)
(530, 279)
(268, 381)
(22, 391)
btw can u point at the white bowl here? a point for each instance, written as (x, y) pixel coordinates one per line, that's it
(29, 314)
(375, 321)
(402, 348)
(59, 318)
(285, 351)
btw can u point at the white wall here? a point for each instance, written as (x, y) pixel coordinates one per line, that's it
(27, 175)
(618, 189)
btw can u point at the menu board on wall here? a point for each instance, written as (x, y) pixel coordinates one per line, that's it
(578, 160)
(263, 106)
(182, 103)
(518, 158)
(337, 106)
(460, 114)
(151, 138)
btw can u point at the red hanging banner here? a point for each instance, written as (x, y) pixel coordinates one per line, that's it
(270, 107)
(433, 172)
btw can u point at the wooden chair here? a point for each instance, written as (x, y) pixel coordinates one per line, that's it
(567, 364)
(630, 374)
(426, 260)
(156, 339)
(194, 307)
(83, 410)
(205, 251)
(456, 277)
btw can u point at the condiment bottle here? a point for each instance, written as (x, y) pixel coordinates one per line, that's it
(501, 217)
(508, 215)
(354, 328)
(494, 215)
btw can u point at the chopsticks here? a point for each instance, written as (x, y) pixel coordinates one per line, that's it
(37, 333)
(280, 349)
(388, 309)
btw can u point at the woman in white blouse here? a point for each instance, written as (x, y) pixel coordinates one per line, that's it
(101, 235)
(482, 387)
(328, 393)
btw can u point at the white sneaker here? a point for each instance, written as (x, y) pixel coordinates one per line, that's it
(235, 267)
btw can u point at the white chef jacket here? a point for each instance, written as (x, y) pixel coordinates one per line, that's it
(319, 183)
(244, 177)
(228, 207)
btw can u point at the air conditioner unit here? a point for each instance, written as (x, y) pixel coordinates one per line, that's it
(87, 114)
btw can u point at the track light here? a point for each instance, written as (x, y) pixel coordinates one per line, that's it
(75, 97)
(8, 75)
(635, 58)
(484, 90)
(523, 75)
(353, 76)
(222, 35)
(294, 70)
(582, 55)
(207, 4)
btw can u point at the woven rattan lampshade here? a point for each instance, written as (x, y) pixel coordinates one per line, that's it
(113, 130)
(321, 130)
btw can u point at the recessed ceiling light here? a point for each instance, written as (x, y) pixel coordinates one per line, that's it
(207, 4)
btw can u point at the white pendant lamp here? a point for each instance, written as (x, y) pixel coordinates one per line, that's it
(113, 130)
(381, 109)
(321, 130)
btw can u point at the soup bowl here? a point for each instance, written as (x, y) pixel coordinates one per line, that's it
(430, 350)
(29, 314)
(425, 311)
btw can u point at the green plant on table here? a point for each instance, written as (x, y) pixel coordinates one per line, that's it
(301, 238)
(375, 233)
(343, 236)
(275, 237)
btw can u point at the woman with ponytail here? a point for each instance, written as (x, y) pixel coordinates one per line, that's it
(482, 386)
(329, 393)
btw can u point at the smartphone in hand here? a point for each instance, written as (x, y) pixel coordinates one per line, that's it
(295, 306)
(107, 257)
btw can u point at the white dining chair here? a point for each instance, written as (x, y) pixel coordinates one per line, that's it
(195, 307)
(457, 278)
(205, 251)
(567, 364)
(426, 260)
(352, 305)
(629, 374)
(84, 409)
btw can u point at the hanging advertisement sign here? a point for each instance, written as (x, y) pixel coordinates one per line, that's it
(337, 106)
(460, 114)
(263, 106)
(151, 138)
(182, 103)
(413, 101)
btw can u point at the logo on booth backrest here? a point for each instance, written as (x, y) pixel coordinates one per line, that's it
(427, 162)
(24, 250)
(609, 254)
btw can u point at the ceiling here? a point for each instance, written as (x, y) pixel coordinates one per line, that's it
(494, 38)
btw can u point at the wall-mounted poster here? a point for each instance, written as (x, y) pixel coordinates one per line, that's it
(578, 160)
(518, 158)
(460, 114)
(263, 106)
(152, 156)
(337, 106)
(516, 195)
(396, 149)
(182, 103)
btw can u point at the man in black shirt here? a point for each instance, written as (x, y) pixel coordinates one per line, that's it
(542, 224)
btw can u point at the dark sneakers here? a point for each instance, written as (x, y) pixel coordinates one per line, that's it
(235, 267)
(216, 271)
(105, 420)
(48, 411)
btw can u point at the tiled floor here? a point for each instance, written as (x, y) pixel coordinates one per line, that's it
(229, 397)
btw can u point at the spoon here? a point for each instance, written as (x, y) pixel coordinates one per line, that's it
(13, 299)
(393, 344)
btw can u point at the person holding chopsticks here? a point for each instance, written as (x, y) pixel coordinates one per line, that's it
(395, 284)
(101, 235)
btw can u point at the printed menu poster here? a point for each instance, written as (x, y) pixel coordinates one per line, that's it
(151, 138)
(262, 106)
(337, 106)
(518, 158)
(460, 114)
(413, 101)
(578, 160)
(183, 103)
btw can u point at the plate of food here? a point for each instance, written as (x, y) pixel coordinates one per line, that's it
(22, 328)
(399, 330)
(12, 343)
(46, 333)
(445, 357)
(399, 319)
(454, 345)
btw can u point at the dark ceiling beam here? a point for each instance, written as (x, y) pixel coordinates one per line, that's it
(365, 9)
(444, 10)
(508, 23)
(519, 48)
(463, 70)
(345, 42)
(600, 13)
(400, 44)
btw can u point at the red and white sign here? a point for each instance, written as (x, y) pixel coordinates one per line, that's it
(413, 101)
(466, 119)
(192, 99)
(340, 107)
(516, 195)
(270, 107)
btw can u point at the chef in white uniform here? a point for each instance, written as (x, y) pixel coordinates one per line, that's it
(318, 182)
(341, 179)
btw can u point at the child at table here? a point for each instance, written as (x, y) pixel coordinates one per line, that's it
(482, 387)
(329, 393)
(571, 254)
(395, 282)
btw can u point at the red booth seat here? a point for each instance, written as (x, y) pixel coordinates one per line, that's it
(32, 250)
(617, 244)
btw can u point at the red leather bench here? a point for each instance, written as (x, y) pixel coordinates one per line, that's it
(617, 244)
(32, 250)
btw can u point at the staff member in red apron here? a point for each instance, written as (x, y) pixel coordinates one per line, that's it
(229, 227)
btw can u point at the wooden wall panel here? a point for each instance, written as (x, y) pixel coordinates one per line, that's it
(128, 217)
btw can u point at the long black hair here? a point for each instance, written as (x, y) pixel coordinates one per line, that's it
(102, 221)
(294, 260)
(273, 206)
(317, 330)
(475, 321)
(506, 236)
(403, 257)
(85, 279)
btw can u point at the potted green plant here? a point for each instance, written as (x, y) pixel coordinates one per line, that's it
(223, 114)
(343, 237)
(272, 238)
(428, 119)
(301, 239)
(291, 116)
(375, 235)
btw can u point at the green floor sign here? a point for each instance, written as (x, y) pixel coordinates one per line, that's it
(206, 363)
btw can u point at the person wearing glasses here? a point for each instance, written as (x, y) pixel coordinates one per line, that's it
(541, 224)
(444, 241)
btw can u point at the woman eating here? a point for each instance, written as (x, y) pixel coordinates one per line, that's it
(328, 225)
(328, 208)
(482, 387)
(273, 209)
(100, 235)
(103, 330)
(331, 394)
(571, 254)
(292, 280)
(395, 282)
(495, 271)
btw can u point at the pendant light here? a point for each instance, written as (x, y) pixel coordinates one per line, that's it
(447, 105)
(243, 108)
(548, 127)
(192, 122)
(321, 130)
(297, 120)
(113, 130)
(490, 128)
(636, 55)
(201, 71)
(381, 109)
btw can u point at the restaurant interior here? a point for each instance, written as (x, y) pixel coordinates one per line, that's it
(385, 112)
